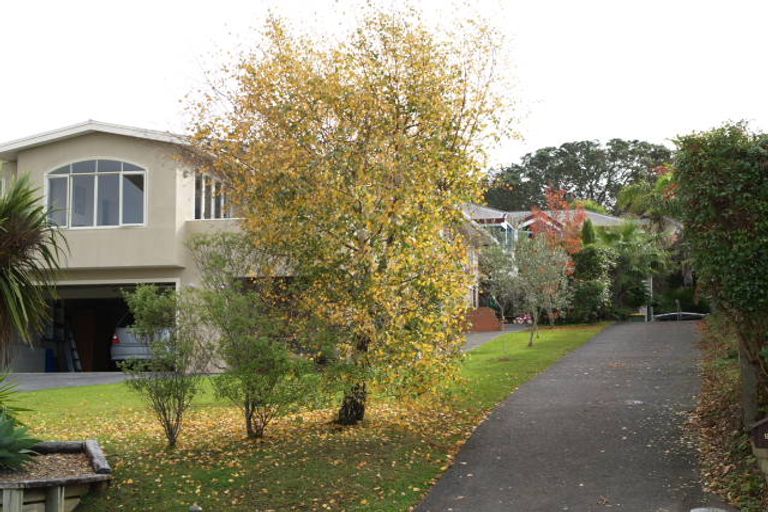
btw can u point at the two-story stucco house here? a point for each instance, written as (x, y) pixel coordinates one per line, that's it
(127, 201)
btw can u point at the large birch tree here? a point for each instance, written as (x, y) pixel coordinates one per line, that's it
(350, 162)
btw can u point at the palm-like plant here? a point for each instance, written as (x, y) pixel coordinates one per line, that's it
(15, 444)
(30, 246)
(7, 395)
(654, 201)
(640, 255)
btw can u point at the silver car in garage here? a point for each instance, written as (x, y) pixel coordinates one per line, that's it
(126, 345)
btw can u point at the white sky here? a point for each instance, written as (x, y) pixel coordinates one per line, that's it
(585, 69)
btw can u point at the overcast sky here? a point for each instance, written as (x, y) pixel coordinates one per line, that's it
(584, 69)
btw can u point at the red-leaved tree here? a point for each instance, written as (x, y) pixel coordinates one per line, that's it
(560, 223)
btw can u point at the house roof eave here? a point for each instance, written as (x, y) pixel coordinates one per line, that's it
(9, 150)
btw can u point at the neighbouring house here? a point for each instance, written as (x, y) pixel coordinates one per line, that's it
(127, 201)
(507, 228)
(496, 222)
(499, 230)
(477, 237)
(522, 220)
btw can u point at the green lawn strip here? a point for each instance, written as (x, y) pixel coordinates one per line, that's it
(499, 367)
(381, 465)
(95, 400)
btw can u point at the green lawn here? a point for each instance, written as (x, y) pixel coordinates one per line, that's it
(305, 462)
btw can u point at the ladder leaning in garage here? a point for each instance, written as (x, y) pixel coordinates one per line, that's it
(63, 334)
(73, 356)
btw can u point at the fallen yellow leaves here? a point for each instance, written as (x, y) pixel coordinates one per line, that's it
(306, 462)
(727, 465)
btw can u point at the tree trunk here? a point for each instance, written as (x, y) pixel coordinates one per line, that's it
(250, 430)
(353, 407)
(534, 328)
(749, 388)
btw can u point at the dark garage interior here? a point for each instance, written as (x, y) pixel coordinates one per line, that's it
(83, 321)
(92, 323)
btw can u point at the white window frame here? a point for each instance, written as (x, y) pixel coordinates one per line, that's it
(70, 191)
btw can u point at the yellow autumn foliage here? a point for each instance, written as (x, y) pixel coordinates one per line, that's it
(350, 163)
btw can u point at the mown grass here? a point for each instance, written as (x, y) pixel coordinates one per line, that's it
(305, 462)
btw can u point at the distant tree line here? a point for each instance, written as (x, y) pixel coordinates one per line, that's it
(587, 170)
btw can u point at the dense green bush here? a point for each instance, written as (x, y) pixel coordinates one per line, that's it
(590, 301)
(722, 189)
(591, 283)
(594, 262)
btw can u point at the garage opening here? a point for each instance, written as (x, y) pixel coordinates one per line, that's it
(84, 319)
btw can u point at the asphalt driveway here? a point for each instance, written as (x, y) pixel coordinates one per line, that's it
(38, 381)
(601, 430)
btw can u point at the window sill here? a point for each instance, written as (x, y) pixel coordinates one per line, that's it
(209, 220)
(99, 228)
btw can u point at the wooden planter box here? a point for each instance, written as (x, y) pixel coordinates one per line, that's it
(62, 494)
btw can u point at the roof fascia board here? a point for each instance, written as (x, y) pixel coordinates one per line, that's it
(9, 150)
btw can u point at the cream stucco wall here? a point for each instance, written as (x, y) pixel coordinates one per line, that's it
(151, 245)
(153, 252)
(7, 172)
(190, 275)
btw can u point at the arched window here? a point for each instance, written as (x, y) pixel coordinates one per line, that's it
(97, 193)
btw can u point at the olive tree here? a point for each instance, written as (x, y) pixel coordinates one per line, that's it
(497, 271)
(541, 279)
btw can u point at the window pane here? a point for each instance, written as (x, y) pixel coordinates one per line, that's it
(57, 201)
(108, 212)
(130, 167)
(61, 170)
(207, 196)
(109, 166)
(198, 196)
(133, 199)
(86, 166)
(82, 200)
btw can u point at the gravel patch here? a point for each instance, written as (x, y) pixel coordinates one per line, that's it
(51, 466)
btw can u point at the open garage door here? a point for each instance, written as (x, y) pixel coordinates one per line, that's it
(85, 318)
